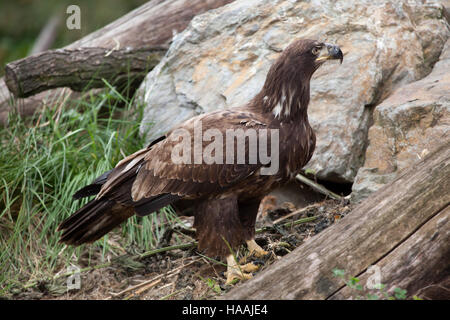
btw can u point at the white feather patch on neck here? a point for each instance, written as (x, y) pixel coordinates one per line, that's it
(283, 106)
(277, 110)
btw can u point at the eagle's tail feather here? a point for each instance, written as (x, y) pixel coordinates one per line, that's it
(89, 190)
(93, 221)
(93, 188)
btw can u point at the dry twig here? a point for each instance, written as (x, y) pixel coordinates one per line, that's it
(318, 187)
(144, 286)
(297, 212)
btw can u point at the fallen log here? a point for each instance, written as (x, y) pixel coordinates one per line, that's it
(79, 69)
(418, 264)
(403, 229)
(152, 24)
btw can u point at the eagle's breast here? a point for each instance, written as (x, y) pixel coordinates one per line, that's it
(300, 142)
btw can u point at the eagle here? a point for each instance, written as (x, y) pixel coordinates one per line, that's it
(220, 183)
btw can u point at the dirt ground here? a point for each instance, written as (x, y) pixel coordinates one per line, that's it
(186, 273)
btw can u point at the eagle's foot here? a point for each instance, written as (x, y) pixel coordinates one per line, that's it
(249, 267)
(235, 274)
(255, 249)
(239, 272)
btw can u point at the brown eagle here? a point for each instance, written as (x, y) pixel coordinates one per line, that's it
(222, 190)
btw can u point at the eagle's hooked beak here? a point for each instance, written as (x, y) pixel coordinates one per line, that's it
(333, 52)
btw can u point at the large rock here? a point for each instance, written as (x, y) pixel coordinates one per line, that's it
(414, 120)
(222, 58)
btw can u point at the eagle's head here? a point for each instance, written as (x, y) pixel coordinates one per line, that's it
(286, 90)
(310, 54)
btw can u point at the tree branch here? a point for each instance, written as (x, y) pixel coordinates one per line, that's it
(79, 69)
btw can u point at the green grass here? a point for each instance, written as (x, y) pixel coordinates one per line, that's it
(378, 291)
(43, 163)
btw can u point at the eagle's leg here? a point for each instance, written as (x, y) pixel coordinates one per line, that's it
(247, 214)
(220, 232)
(236, 271)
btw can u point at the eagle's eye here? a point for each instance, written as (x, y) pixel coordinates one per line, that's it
(315, 51)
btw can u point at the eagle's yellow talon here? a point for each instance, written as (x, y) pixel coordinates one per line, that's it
(259, 253)
(255, 249)
(237, 272)
(249, 267)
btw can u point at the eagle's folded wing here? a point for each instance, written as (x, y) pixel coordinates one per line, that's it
(153, 173)
(159, 174)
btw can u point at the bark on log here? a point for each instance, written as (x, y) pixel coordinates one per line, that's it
(403, 229)
(79, 69)
(419, 264)
(152, 24)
